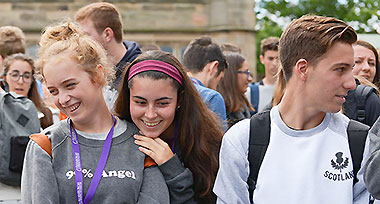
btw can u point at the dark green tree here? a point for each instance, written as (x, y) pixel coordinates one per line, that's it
(272, 16)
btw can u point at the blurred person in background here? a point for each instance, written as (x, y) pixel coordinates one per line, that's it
(19, 73)
(102, 22)
(260, 93)
(233, 86)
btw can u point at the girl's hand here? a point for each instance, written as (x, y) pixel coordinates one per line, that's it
(156, 148)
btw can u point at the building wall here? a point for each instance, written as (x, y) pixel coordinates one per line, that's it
(170, 24)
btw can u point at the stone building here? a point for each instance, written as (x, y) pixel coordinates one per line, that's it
(170, 24)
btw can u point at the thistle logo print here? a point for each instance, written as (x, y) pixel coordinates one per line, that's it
(340, 163)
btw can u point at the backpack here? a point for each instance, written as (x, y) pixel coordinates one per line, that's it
(18, 119)
(354, 107)
(259, 137)
(254, 88)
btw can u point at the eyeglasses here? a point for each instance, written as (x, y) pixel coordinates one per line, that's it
(248, 73)
(26, 77)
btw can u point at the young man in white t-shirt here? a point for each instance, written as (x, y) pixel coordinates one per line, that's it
(308, 158)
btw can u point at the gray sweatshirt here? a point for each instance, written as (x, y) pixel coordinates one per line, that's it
(124, 179)
(372, 167)
(179, 180)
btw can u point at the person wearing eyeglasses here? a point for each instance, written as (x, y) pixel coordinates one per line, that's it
(233, 86)
(18, 73)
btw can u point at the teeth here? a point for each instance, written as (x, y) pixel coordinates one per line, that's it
(151, 124)
(73, 108)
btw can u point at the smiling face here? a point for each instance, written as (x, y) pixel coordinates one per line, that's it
(329, 81)
(365, 62)
(153, 104)
(72, 89)
(22, 85)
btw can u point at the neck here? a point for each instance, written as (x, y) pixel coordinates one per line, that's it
(297, 114)
(201, 77)
(168, 134)
(269, 80)
(116, 51)
(100, 122)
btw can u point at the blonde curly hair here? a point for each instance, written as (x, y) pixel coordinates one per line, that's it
(67, 40)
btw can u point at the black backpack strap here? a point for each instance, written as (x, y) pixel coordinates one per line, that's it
(4, 85)
(361, 94)
(259, 134)
(357, 135)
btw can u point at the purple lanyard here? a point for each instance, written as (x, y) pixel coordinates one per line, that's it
(78, 165)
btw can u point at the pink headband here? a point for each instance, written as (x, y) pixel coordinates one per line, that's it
(155, 65)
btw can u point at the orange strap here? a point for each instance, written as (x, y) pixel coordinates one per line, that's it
(148, 162)
(43, 141)
(62, 116)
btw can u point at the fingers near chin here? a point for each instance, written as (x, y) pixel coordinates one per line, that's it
(145, 151)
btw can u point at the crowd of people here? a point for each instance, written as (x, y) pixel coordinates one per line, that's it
(124, 124)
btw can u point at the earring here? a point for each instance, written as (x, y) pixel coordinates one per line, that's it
(178, 107)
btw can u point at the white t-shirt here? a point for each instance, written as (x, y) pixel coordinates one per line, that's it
(300, 166)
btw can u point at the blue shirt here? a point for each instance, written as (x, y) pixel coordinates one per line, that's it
(214, 101)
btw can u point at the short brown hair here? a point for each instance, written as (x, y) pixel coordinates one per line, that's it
(103, 15)
(12, 41)
(270, 43)
(309, 38)
(227, 47)
(202, 51)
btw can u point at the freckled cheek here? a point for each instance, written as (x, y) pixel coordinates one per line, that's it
(167, 113)
(136, 113)
(356, 69)
(373, 70)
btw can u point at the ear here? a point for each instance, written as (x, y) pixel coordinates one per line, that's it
(99, 76)
(212, 67)
(1, 64)
(108, 34)
(262, 59)
(302, 68)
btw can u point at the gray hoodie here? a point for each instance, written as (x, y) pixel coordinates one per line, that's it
(124, 179)
(372, 167)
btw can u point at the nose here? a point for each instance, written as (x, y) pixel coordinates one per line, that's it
(63, 98)
(276, 62)
(350, 83)
(150, 113)
(250, 79)
(365, 67)
(20, 80)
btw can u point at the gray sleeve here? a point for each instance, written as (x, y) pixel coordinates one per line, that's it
(154, 189)
(38, 182)
(231, 181)
(372, 168)
(179, 180)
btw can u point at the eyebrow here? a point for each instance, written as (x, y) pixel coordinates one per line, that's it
(64, 82)
(162, 98)
(20, 72)
(343, 64)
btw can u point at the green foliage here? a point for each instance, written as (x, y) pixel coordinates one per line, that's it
(362, 15)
